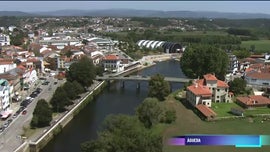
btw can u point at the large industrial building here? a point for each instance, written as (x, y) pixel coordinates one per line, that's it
(168, 47)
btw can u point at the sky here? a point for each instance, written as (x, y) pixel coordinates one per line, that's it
(220, 6)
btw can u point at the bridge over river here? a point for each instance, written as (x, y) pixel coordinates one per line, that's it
(141, 78)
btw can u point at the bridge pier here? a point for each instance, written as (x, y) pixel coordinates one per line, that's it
(170, 83)
(138, 85)
(123, 84)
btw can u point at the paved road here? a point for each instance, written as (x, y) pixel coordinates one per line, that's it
(10, 138)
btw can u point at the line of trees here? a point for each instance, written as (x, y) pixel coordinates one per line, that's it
(79, 77)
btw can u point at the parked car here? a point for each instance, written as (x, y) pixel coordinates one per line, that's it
(14, 115)
(2, 128)
(24, 112)
(6, 124)
(10, 120)
(33, 95)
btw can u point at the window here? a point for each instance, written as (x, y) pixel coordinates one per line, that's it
(217, 96)
(218, 90)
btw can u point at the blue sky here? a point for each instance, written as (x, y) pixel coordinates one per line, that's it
(221, 6)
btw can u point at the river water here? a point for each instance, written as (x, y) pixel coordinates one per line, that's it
(112, 100)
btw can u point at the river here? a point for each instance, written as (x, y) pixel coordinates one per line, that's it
(113, 100)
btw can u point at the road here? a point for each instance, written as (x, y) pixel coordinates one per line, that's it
(10, 138)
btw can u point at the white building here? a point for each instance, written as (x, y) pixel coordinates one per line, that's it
(4, 40)
(4, 95)
(6, 65)
(233, 64)
(111, 63)
(11, 28)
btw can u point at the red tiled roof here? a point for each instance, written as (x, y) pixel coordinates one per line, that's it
(199, 90)
(210, 77)
(256, 66)
(111, 57)
(205, 110)
(259, 75)
(222, 84)
(5, 61)
(256, 56)
(254, 100)
(200, 81)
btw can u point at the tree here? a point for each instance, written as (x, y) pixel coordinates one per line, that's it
(78, 88)
(99, 70)
(237, 86)
(158, 87)
(70, 90)
(82, 71)
(241, 54)
(42, 115)
(60, 100)
(202, 59)
(123, 133)
(170, 116)
(149, 112)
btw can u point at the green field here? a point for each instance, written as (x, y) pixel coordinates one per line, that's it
(189, 123)
(223, 109)
(260, 45)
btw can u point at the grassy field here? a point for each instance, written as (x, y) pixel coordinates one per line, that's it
(261, 110)
(260, 45)
(195, 33)
(189, 123)
(223, 109)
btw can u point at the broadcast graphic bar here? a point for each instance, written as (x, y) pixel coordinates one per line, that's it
(221, 140)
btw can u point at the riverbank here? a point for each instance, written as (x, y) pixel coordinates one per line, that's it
(113, 100)
(187, 122)
(59, 124)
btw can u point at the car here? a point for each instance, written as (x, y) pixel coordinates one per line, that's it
(29, 99)
(14, 115)
(55, 83)
(24, 112)
(25, 103)
(33, 95)
(6, 124)
(39, 89)
(10, 120)
(2, 128)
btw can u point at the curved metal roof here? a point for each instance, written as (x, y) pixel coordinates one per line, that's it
(140, 42)
(149, 44)
(154, 44)
(145, 42)
(160, 44)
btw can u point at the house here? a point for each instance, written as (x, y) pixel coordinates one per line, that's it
(111, 63)
(218, 88)
(233, 64)
(4, 95)
(198, 94)
(258, 75)
(6, 65)
(253, 101)
(4, 40)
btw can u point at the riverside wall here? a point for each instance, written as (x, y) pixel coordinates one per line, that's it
(35, 146)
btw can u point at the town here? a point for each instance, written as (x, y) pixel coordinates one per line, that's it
(51, 68)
